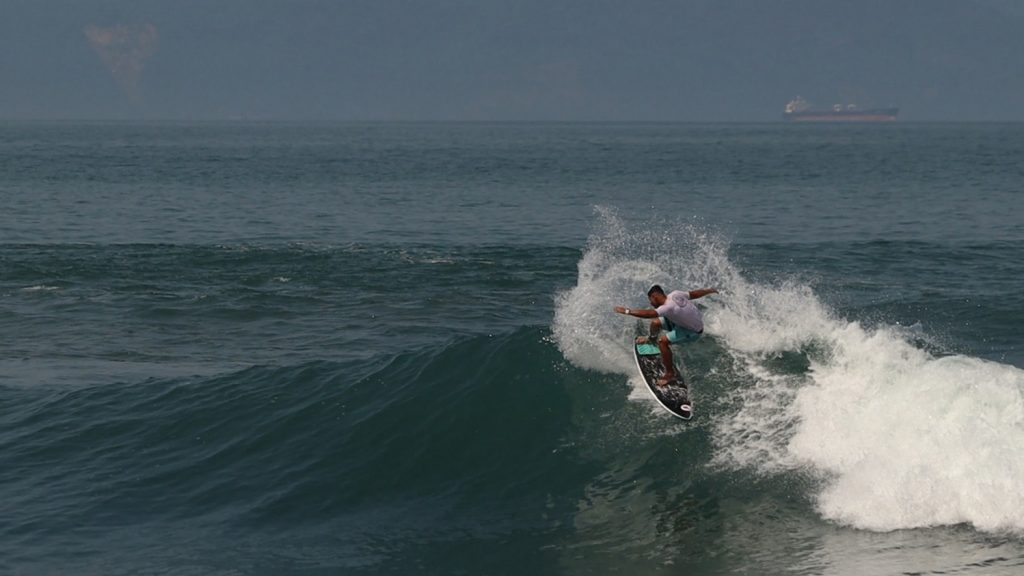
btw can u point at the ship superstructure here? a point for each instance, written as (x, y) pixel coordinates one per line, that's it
(799, 110)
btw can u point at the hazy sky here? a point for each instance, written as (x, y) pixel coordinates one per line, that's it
(691, 60)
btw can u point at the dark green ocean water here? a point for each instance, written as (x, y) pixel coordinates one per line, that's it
(389, 349)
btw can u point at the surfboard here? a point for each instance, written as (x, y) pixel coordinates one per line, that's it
(674, 396)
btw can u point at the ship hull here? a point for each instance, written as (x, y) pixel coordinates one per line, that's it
(881, 115)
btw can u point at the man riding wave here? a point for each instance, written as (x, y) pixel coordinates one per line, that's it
(677, 315)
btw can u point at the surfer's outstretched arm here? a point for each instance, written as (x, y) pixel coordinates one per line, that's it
(694, 294)
(638, 312)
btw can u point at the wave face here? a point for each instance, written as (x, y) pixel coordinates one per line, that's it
(893, 435)
(435, 444)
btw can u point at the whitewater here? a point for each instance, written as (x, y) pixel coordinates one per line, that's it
(892, 435)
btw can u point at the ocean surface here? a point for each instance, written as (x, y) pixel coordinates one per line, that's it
(268, 348)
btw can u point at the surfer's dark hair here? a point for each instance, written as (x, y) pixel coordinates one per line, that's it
(655, 288)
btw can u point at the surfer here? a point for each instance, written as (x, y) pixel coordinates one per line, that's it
(678, 315)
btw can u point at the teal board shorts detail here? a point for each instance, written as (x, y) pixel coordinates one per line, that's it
(678, 334)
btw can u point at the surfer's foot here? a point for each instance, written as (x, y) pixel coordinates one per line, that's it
(641, 339)
(664, 380)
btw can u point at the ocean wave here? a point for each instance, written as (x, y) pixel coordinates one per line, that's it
(319, 440)
(882, 433)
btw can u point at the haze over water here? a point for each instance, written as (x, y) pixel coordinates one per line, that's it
(571, 60)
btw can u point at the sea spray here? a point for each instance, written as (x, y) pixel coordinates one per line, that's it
(893, 436)
(911, 440)
(900, 437)
(619, 264)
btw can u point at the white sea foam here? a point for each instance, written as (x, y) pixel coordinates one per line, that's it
(912, 440)
(40, 288)
(899, 437)
(902, 438)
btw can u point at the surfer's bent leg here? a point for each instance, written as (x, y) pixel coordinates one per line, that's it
(655, 327)
(666, 357)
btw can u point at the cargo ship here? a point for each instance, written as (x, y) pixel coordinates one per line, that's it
(798, 110)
